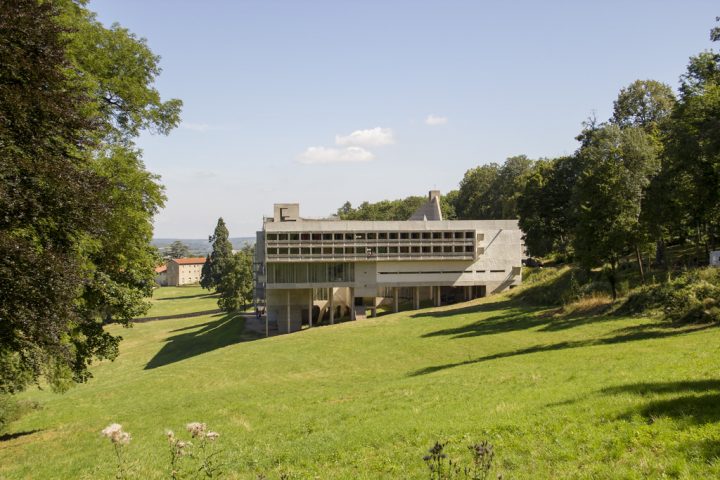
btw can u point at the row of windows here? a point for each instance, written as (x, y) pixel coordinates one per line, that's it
(353, 236)
(370, 251)
(443, 271)
(310, 272)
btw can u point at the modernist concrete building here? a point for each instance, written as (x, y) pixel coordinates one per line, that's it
(318, 271)
(184, 271)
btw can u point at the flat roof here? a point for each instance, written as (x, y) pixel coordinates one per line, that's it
(400, 225)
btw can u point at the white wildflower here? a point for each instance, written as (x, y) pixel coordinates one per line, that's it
(212, 436)
(196, 429)
(116, 435)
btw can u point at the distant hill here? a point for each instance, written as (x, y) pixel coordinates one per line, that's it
(200, 246)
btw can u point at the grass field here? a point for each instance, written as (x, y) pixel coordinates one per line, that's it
(179, 300)
(559, 397)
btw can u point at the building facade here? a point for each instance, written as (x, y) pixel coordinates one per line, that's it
(318, 271)
(184, 271)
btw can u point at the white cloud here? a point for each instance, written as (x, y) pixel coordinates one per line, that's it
(335, 155)
(372, 137)
(195, 127)
(433, 120)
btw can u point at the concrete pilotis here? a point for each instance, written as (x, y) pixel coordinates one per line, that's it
(396, 300)
(332, 306)
(310, 308)
(416, 298)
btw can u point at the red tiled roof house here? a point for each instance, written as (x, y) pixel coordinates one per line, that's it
(184, 271)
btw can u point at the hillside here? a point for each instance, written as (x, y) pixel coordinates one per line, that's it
(200, 246)
(559, 397)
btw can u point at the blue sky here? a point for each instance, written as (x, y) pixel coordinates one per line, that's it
(319, 102)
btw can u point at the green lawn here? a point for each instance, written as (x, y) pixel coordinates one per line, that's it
(583, 397)
(179, 300)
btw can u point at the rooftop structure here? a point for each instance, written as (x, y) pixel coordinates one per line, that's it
(311, 271)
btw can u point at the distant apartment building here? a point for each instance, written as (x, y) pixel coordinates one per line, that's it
(311, 271)
(184, 271)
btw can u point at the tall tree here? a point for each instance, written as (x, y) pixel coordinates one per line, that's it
(545, 207)
(236, 285)
(206, 274)
(179, 250)
(220, 255)
(616, 167)
(77, 203)
(475, 196)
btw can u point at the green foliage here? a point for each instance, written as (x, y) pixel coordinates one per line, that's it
(206, 278)
(236, 284)
(12, 409)
(179, 250)
(384, 210)
(77, 202)
(693, 296)
(220, 256)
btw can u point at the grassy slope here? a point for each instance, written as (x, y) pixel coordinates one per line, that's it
(559, 398)
(177, 300)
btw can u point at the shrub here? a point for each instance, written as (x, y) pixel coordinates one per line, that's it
(12, 409)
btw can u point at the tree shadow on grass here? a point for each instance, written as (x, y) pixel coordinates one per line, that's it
(12, 436)
(629, 334)
(222, 331)
(186, 296)
(516, 317)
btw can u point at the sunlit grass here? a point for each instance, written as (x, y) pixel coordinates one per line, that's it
(572, 396)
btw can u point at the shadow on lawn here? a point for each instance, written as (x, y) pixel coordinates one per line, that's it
(638, 332)
(222, 331)
(12, 436)
(187, 296)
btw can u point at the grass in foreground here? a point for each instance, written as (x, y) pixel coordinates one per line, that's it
(559, 397)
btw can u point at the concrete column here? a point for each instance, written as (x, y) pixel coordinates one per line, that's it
(287, 309)
(396, 300)
(373, 312)
(332, 306)
(416, 298)
(310, 309)
(436, 292)
(352, 303)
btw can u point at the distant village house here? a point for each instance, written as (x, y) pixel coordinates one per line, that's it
(184, 271)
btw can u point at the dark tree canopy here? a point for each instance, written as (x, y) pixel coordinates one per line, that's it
(222, 252)
(75, 198)
(178, 250)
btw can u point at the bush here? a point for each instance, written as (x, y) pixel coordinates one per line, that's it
(693, 296)
(11, 410)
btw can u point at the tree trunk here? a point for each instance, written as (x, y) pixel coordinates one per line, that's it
(640, 264)
(612, 278)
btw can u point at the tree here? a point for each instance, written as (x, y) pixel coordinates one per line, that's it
(75, 199)
(206, 274)
(616, 167)
(236, 285)
(179, 250)
(475, 197)
(644, 103)
(221, 253)
(545, 207)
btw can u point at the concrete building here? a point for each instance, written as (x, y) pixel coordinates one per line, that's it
(184, 271)
(319, 271)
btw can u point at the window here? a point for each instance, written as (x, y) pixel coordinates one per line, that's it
(338, 250)
(304, 236)
(294, 237)
(426, 235)
(349, 236)
(393, 235)
(316, 251)
(294, 251)
(404, 235)
(459, 234)
(272, 236)
(327, 251)
(283, 237)
(469, 235)
(426, 249)
(393, 249)
(305, 251)
(447, 235)
(415, 249)
(371, 236)
(283, 251)
(437, 235)
(359, 236)
(437, 249)
(338, 236)
(415, 235)
(382, 250)
(327, 236)
(469, 248)
(447, 249)
(272, 251)
(317, 236)
(382, 235)
(404, 249)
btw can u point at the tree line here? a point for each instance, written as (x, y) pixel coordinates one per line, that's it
(646, 178)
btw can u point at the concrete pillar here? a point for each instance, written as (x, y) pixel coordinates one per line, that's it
(396, 300)
(437, 299)
(287, 309)
(332, 306)
(416, 298)
(373, 312)
(310, 309)
(352, 303)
